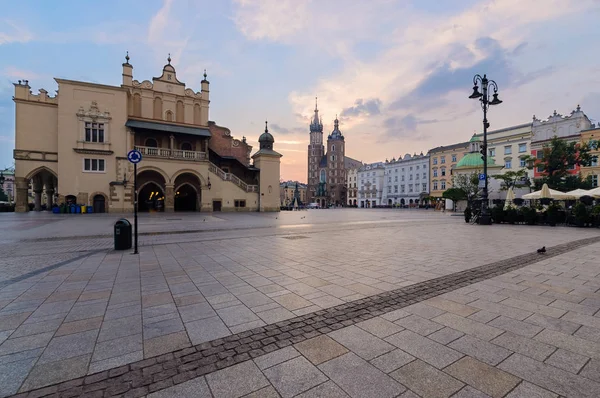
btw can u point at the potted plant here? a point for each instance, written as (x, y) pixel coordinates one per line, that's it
(529, 215)
(552, 215)
(498, 214)
(511, 215)
(581, 215)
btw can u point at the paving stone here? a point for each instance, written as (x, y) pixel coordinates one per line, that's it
(236, 381)
(426, 380)
(53, 372)
(419, 325)
(294, 376)
(488, 296)
(267, 392)
(379, 327)
(425, 349)
(423, 310)
(592, 370)
(445, 335)
(392, 360)
(151, 300)
(292, 301)
(196, 388)
(470, 392)
(480, 349)
(468, 326)
(320, 349)
(12, 375)
(457, 297)
(568, 306)
(112, 362)
(588, 333)
(501, 309)
(79, 326)
(86, 311)
(549, 377)
(567, 360)
(206, 330)
(360, 379)
(276, 357)
(533, 307)
(568, 342)
(117, 347)
(531, 348)
(528, 390)
(242, 327)
(236, 315)
(163, 327)
(483, 316)
(275, 315)
(328, 389)
(121, 327)
(360, 342)
(18, 344)
(395, 315)
(193, 312)
(70, 346)
(547, 322)
(517, 327)
(451, 306)
(28, 329)
(483, 377)
(581, 319)
(167, 343)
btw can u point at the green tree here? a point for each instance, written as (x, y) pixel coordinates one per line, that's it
(512, 179)
(468, 183)
(454, 194)
(559, 157)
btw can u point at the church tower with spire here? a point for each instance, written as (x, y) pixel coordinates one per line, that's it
(316, 152)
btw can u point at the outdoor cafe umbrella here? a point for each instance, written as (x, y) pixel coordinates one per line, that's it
(594, 192)
(546, 192)
(578, 193)
(510, 196)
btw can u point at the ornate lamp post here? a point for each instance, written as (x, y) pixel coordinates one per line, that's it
(484, 98)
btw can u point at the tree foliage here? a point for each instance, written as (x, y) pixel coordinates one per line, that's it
(3, 196)
(559, 157)
(468, 183)
(512, 179)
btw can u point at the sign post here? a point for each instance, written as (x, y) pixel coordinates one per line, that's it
(135, 156)
(481, 180)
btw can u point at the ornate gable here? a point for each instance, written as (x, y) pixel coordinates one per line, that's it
(93, 113)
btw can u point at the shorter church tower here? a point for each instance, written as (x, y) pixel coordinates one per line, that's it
(269, 163)
(335, 165)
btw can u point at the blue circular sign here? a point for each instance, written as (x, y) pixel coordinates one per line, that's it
(134, 156)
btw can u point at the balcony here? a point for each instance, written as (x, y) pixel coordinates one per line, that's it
(167, 153)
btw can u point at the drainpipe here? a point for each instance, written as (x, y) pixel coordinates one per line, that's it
(259, 200)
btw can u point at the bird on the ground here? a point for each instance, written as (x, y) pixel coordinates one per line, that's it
(542, 250)
(205, 220)
(276, 218)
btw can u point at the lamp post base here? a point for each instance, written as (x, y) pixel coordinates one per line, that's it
(485, 219)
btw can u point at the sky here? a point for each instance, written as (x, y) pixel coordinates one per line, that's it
(397, 73)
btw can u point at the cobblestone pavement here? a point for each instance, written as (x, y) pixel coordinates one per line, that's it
(188, 309)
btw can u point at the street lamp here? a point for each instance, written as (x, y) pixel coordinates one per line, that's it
(484, 97)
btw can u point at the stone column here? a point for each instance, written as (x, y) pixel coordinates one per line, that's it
(38, 199)
(169, 199)
(50, 198)
(171, 142)
(21, 195)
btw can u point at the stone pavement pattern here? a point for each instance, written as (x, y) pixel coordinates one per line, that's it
(106, 310)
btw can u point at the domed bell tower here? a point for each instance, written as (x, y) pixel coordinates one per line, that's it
(269, 163)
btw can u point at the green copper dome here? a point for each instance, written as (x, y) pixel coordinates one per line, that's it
(473, 160)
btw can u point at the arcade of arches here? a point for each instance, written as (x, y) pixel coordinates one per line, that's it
(39, 187)
(155, 194)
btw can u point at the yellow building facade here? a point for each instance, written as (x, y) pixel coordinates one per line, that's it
(72, 147)
(441, 162)
(593, 170)
(286, 192)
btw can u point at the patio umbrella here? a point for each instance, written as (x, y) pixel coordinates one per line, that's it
(578, 193)
(510, 196)
(546, 192)
(594, 192)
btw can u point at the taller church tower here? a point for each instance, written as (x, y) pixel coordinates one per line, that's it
(316, 151)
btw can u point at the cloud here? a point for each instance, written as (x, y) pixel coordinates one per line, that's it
(15, 73)
(12, 32)
(284, 130)
(406, 126)
(361, 107)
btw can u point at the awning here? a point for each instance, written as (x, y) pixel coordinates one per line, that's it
(167, 128)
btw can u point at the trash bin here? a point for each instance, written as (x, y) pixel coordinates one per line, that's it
(122, 234)
(90, 209)
(77, 209)
(83, 209)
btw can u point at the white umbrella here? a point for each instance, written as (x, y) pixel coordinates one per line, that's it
(594, 192)
(510, 195)
(578, 193)
(546, 192)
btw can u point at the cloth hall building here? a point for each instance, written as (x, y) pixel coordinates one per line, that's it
(72, 148)
(327, 183)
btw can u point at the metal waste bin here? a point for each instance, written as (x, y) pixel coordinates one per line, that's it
(122, 234)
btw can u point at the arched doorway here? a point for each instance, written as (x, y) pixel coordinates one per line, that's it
(354, 202)
(151, 198)
(188, 190)
(99, 204)
(389, 202)
(71, 199)
(186, 198)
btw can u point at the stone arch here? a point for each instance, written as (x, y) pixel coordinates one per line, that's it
(169, 116)
(190, 171)
(144, 169)
(92, 201)
(187, 197)
(147, 200)
(186, 146)
(39, 170)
